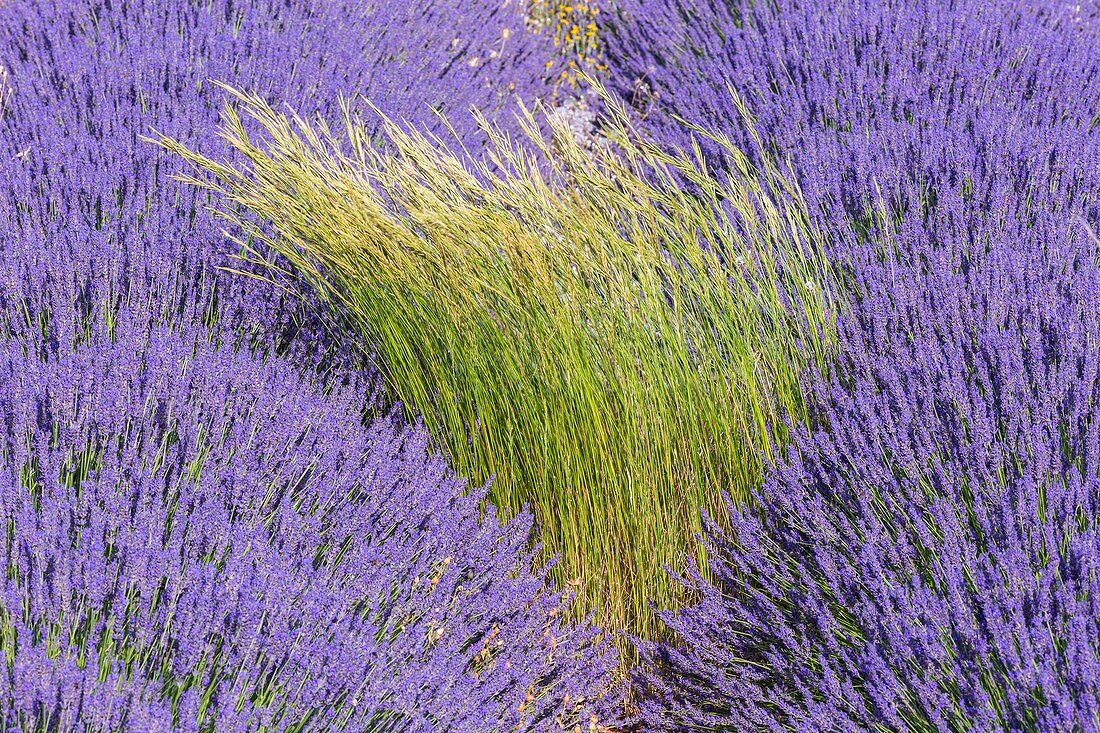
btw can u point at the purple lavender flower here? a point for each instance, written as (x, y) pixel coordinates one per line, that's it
(198, 539)
(88, 78)
(927, 557)
(910, 103)
(199, 535)
(924, 558)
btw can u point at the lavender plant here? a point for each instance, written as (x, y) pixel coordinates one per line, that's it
(907, 104)
(926, 559)
(923, 559)
(197, 535)
(200, 538)
(88, 78)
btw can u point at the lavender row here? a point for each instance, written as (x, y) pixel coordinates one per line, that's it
(88, 79)
(956, 106)
(202, 533)
(925, 556)
(198, 539)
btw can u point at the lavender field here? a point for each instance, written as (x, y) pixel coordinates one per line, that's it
(503, 366)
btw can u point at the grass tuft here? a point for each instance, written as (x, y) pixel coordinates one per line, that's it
(610, 332)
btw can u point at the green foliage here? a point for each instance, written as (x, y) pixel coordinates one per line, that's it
(608, 329)
(574, 26)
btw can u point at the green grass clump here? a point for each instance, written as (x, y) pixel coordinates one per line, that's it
(608, 331)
